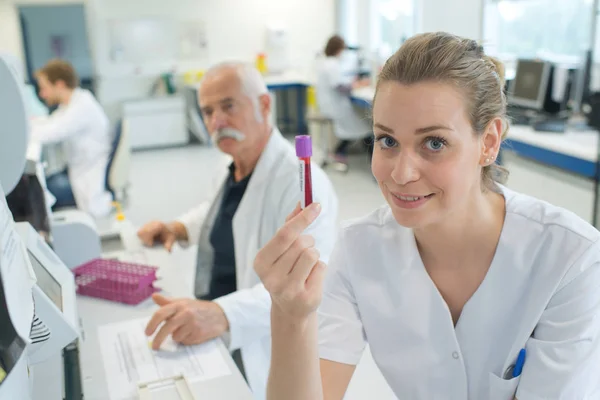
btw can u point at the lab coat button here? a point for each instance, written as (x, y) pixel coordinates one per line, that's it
(455, 355)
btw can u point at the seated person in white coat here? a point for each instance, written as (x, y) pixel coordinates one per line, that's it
(256, 187)
(463, 288)
(81, 124)
(333, 96)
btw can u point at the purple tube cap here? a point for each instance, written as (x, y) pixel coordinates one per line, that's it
(303, 146)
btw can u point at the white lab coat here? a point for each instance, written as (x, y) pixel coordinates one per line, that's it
(347, 123)
(271, 195)
(83, 127)
(541, 292)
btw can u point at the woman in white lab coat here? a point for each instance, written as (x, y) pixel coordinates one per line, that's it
(334, 87)
(81, 124)
(462, 288)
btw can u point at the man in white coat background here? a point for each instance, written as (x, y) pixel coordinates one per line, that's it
(82, 125)
(256, 189)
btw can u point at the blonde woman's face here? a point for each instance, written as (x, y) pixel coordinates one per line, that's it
(426, 159)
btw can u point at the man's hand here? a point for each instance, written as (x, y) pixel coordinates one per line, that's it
(188, 321)
(159, 232)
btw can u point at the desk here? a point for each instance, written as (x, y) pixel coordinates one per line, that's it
(176, 279)
(363, 97)
(571, 151)
(556, 167)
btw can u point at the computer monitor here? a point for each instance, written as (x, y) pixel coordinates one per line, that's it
(530, 85)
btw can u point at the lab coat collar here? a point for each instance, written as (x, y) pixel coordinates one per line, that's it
(268, 158)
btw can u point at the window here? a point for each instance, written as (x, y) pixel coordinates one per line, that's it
(393, 21)
(550, 29)
(377, 25)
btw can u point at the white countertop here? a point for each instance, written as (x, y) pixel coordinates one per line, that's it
(176, 277)
(364, 93)
(582, 145)
(289, 78)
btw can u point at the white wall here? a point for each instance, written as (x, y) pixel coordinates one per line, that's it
(10, 31)
(235, 30)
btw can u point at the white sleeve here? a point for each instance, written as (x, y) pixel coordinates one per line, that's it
(249, 310)
(563, 354)
(193, 220)
(341, 334)
(60, 125)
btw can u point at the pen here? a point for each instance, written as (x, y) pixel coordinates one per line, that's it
(520, 362)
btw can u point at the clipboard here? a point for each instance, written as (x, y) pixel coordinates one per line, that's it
(180, 384)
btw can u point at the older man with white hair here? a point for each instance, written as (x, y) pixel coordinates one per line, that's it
(253, 197)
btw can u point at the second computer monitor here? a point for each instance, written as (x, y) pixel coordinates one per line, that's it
(530, 85)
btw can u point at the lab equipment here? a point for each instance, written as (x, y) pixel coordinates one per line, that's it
(16, 277)
(304, 153)
(55, 318)
(13, 129)
(54, 297)
(75, 237)
(128, 283)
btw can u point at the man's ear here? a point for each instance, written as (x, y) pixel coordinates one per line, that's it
(264, 102)
(60, 84)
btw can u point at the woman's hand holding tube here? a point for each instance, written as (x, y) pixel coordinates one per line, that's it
(290, 268)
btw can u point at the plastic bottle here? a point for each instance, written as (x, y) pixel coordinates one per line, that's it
(127, 231)
(261, 63)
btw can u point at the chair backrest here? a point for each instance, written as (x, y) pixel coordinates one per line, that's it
(117, 170)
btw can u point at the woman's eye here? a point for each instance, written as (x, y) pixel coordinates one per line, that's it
(387, 142)
(435, 144)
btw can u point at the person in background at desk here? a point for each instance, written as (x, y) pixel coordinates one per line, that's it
(333, 96)
(464, 289)
(252, 199)
(79, 122)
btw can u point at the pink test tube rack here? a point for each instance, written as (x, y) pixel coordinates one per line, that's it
(115, 280)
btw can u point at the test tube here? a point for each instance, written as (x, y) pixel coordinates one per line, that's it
(304, 152)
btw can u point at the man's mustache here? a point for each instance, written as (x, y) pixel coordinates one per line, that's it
(227, 133)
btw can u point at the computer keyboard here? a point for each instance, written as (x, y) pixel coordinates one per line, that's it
(522, 119)
(553, 126)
